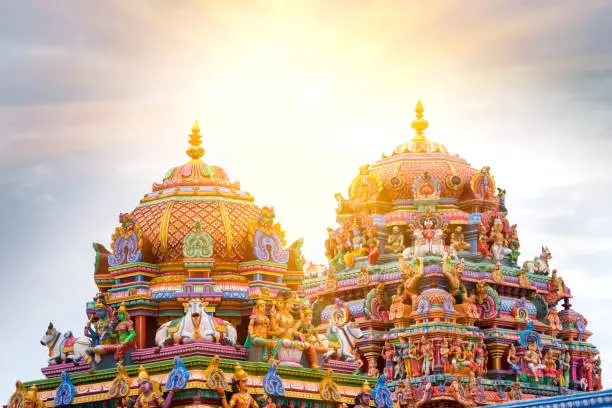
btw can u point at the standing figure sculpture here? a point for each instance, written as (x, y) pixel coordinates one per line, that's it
(150, 395)
(241, 397)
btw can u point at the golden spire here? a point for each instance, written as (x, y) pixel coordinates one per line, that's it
(419, 124)
(195, 151)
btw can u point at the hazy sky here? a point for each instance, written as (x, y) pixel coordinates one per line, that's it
(97, 99)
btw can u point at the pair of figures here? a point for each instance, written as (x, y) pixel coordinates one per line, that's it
(279, 328)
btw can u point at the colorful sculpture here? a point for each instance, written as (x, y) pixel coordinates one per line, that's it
(197, 325)
(64, 347)
(422, 272)
(241, 397)
(150, 394)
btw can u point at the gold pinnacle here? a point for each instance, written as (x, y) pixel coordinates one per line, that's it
(419, 124)
(195, 151)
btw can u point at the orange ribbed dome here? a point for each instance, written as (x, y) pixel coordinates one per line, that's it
(197, 191)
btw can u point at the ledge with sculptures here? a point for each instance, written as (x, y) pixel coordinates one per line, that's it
(423, 298)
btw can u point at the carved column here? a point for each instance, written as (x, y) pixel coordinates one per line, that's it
(141, 331)
(470, 235)
(371, 350)
(496, 353)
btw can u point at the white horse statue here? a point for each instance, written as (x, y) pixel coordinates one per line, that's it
(65, 347)
(196, 326)
(341, 341)
(539, 265)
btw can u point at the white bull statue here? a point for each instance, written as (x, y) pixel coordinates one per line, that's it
(65, 347)
(196, 326)
(341, 341)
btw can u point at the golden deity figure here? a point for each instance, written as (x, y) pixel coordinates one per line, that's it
(523, 280)
(396, 310)
(457, 240)
(284, 322)
(261, 330)
(496, 274)
(395, 241)
(241, 397)
(31, 399)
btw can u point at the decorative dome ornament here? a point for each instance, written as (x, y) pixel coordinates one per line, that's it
(195, 151)
(419, 143)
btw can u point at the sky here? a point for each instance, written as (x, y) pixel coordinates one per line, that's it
(97, 100)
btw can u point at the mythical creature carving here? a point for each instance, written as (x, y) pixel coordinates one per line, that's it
(366, 187)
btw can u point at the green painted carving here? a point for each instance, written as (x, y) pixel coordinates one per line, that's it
(198, 244)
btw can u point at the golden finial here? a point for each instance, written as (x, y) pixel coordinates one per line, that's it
(195, 151)
(419, 124)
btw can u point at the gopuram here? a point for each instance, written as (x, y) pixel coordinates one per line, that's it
(423, 303)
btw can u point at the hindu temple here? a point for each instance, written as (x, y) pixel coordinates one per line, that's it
(424, 301)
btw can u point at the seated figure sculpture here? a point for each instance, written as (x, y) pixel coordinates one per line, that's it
(395, 241)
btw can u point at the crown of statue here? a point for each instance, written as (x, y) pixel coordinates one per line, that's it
(260, 302)
(32, 394)
(365, 388)
(142, 374)
(122, 308)
(239, 372)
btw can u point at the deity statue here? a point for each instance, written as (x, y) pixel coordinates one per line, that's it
(121, 330)
(496, 274)
(241, 397)
(359, 362)
(471, 310)
(516, 393)
(150, 395)
(308, 335)
(533, 359)
(388, 353)
(444, 356)
(373, 246)
(480, 292)
(31, 399)
(523, 280)
(514, 245)
(550, 366)
(457, 241)
(553, 319)
(261, 330)
(480, 358)
(495, 236)
(588, 366)
(396, 310)
(514, 362)
(456, 354)
(362, 400)
(426, 355)
(125, 333)
(100, 324)
(413, 369)
(499, 243)
(395, 241)
(564, 368)
(597, 372)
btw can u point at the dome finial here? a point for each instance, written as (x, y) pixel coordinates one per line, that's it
(195, 151)
(419, 124)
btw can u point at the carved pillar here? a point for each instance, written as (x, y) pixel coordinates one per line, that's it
(141, 331)
(496, 353)
(371, 350)
(470, 235)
